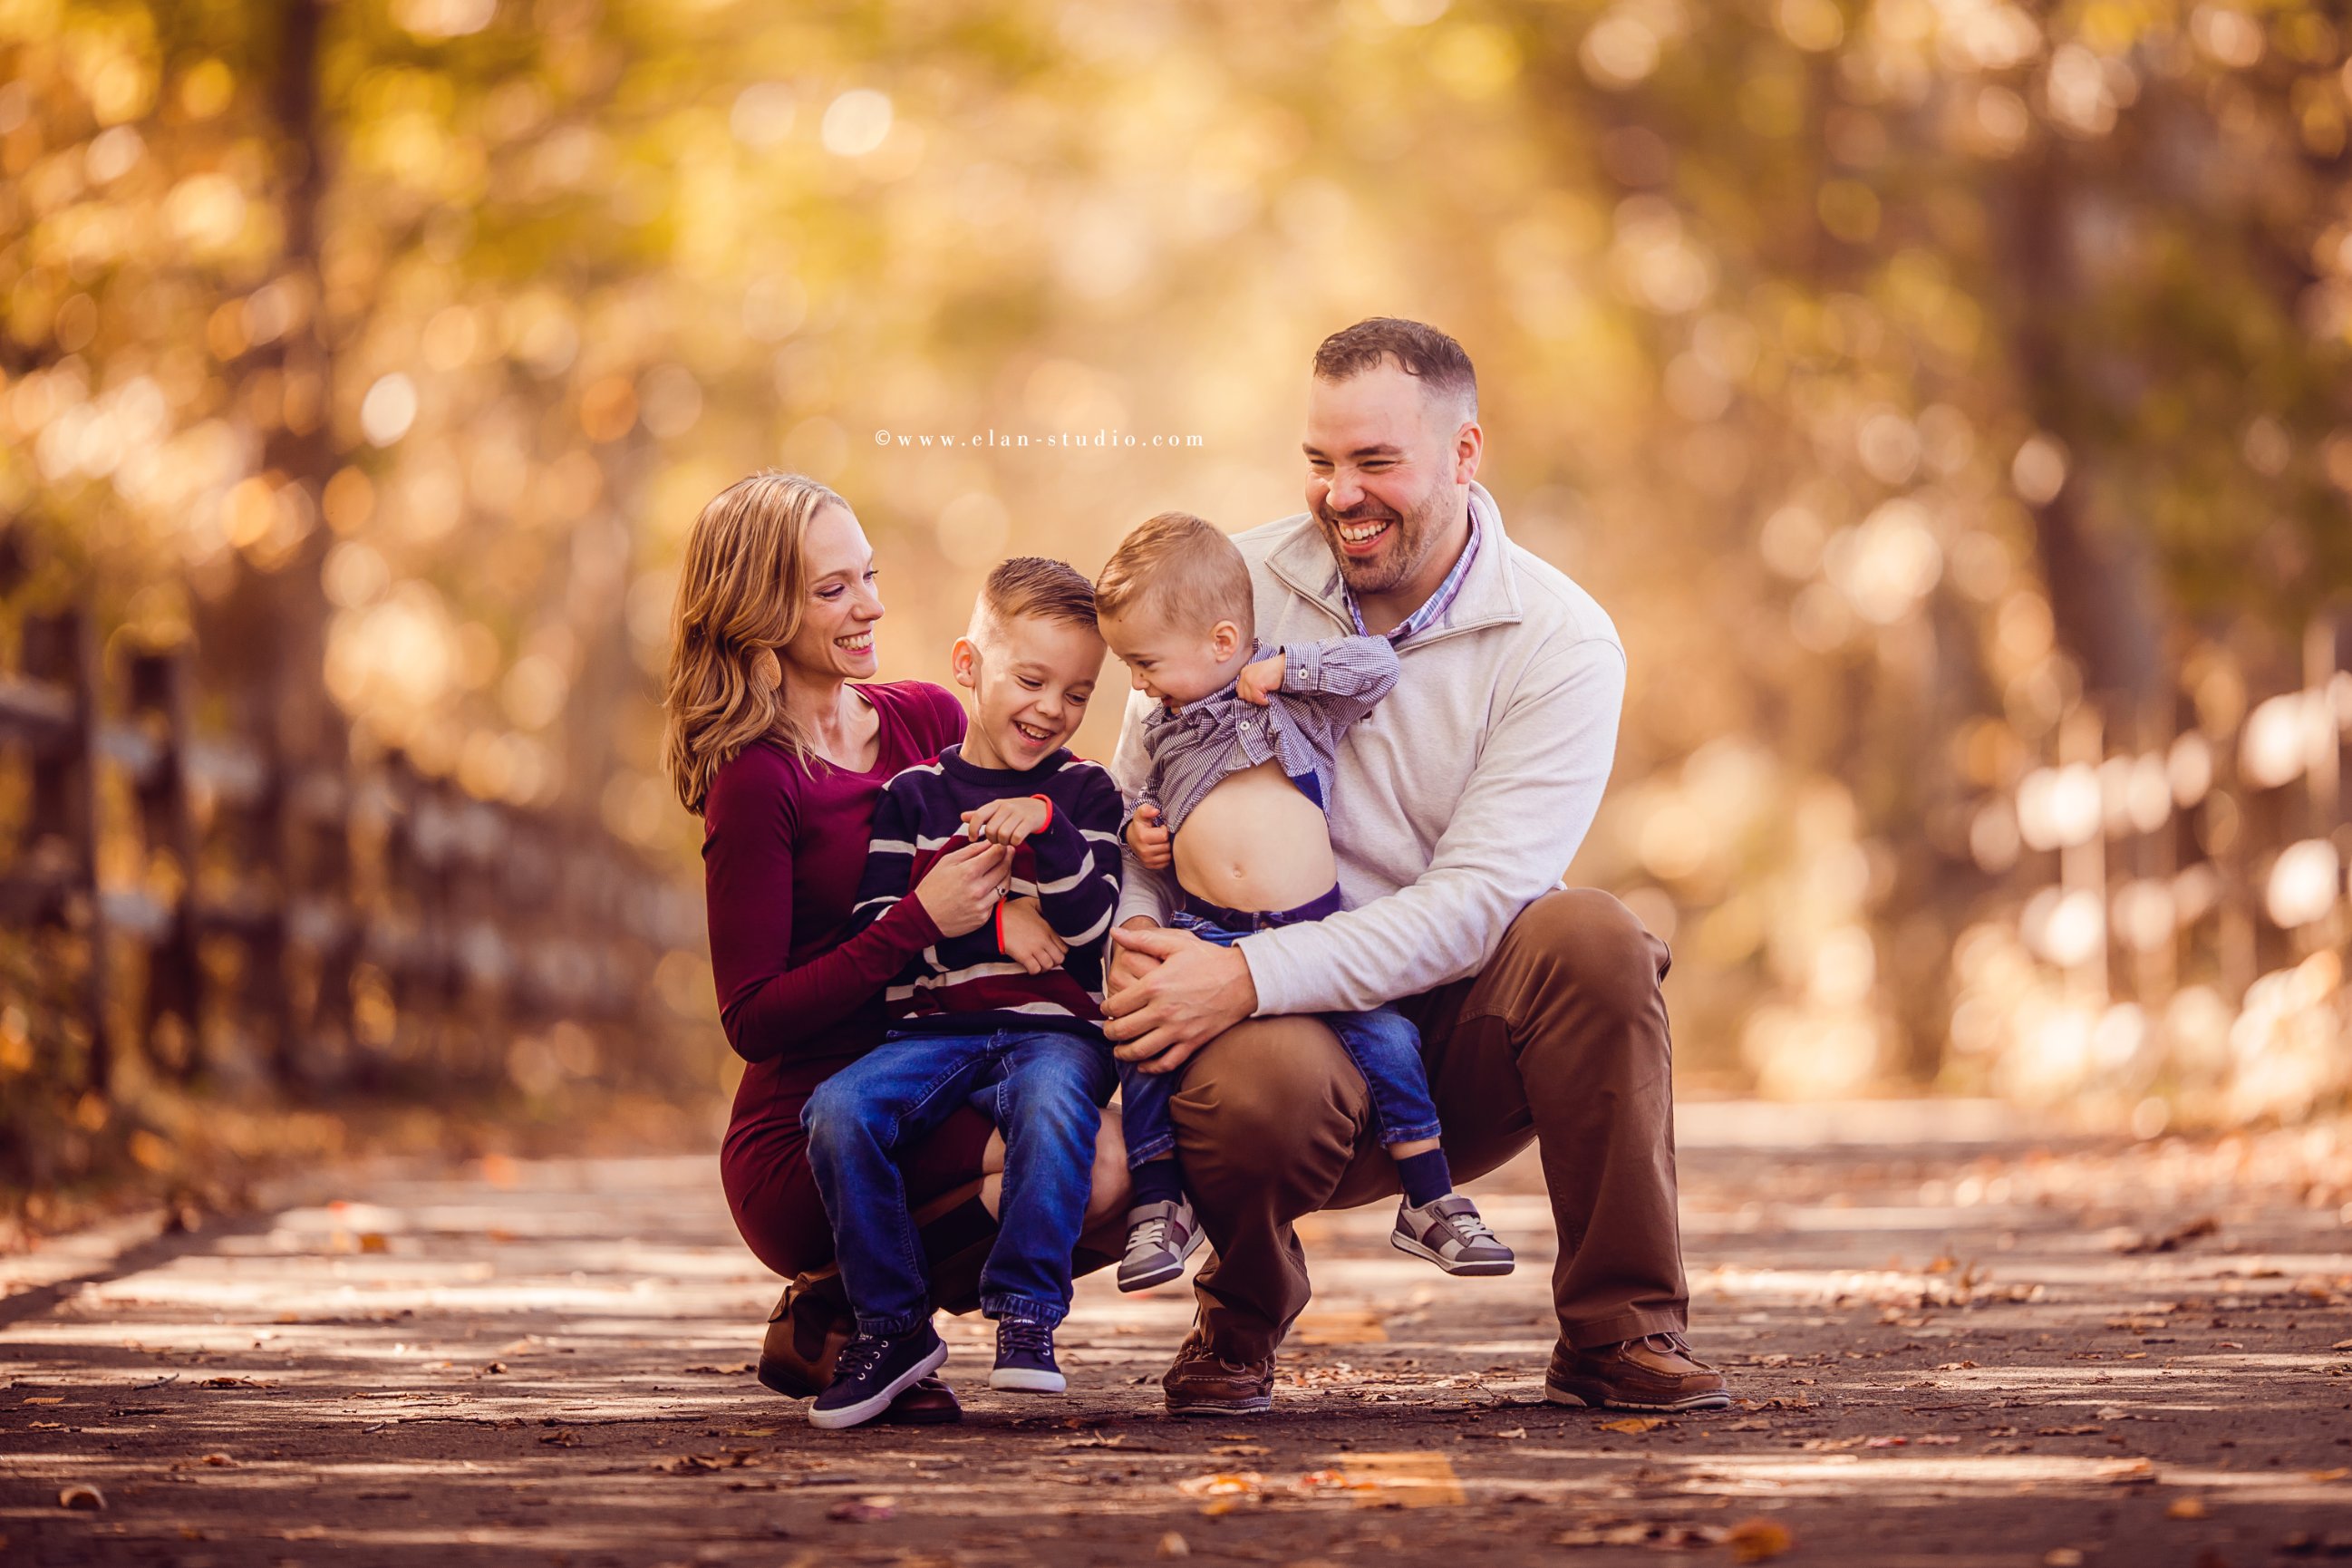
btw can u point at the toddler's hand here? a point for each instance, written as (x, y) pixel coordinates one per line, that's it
(1149, 839)
(1008, 821)
(1028, 941)
(1259, 682)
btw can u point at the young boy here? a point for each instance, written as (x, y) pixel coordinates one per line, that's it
(1239, 760)
(1008, 1011)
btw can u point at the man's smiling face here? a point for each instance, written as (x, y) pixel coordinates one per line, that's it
(1384, 473)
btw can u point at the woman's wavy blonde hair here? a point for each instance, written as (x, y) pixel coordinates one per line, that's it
(741, 592)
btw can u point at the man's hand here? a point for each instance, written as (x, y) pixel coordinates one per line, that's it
(1149, 839)
(1008, 821)
(1259, 682)
(1195, 992)
(1026, 938)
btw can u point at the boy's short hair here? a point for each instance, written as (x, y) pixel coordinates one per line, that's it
(1041, 586)
(1182, 566)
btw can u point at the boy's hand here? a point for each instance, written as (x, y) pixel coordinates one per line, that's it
(1027, 940)
(1259, 682)
(1008, 821)
(1149, 839)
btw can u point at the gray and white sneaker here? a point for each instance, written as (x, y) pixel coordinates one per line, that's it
(1449, 1232)
(1159, 1238)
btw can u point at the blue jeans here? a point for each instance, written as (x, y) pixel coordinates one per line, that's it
(1049, 1089)
(1382, 1043)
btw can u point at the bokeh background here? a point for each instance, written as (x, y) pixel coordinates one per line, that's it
(1947, 398)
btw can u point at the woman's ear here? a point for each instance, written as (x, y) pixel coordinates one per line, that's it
(963, 659)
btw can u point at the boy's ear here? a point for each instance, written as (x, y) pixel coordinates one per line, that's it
(1224, 637)
(963, 660)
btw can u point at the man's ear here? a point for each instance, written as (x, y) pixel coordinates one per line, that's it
(963, 659)
(1469, 447)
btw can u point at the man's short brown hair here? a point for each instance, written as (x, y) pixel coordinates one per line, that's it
(1179, 566)
(1039, 585)
(1421, 352)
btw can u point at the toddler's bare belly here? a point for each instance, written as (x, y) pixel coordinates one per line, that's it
(1254, 843)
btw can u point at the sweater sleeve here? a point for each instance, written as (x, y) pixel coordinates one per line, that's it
(1532, 794)
(1078, 858)
(766, 1005)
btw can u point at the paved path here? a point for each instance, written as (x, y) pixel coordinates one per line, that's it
(1983, 1353)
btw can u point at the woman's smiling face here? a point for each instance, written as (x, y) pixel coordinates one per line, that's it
(836, 640)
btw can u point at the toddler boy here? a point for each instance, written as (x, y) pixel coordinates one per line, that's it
(1008, 1011)
(1239, 759)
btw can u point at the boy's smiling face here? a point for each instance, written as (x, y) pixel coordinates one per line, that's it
(1173, 663)
(1031, 678)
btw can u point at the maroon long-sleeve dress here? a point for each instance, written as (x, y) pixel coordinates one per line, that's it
(784, 843)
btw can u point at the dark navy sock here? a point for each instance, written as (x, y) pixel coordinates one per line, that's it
(1155, 1182)
(1425, 1177)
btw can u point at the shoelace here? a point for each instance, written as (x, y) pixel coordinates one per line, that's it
(1021, 1334)
(858, 1358)
(1470, 1228)
(1151, 1233)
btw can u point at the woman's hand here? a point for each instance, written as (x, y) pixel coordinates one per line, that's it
(1026, 938)
(960, 890)
(1149, 839)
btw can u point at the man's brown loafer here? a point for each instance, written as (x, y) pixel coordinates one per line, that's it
(805, 1332)
(1202, 1382)
(1656, 1373)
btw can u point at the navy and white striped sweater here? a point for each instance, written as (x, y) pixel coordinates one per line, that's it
(965, 983)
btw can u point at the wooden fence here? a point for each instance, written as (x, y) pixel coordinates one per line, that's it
(180, 891)
(2201, 845)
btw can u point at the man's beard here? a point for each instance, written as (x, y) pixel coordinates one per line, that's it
(1413, 537)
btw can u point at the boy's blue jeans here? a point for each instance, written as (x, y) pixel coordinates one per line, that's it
(1048, 1089)
(1382, 1043)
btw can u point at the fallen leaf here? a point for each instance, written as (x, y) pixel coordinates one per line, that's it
(83, 1496)
(738, 1368)
(47, 1399)
(1887, 1443)
(566, 1438)
(1958, 1366)
(1755, 1540)
(46, 1426)
(1241, 1451)
(1507, 1435)
(2068, 1431)
(2341, 1345)
(1172, 1545)
(1633, 1424)
(862, 1510)
(2174, 1239)
(2127, 1471)
(1936, 1440)
(1224, 1484)
(2185, 1508)
(374, 1241)
(2062, 1557)
(2337, 1474)
(219, 1462)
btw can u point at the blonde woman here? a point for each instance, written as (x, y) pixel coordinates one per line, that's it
(780, 740)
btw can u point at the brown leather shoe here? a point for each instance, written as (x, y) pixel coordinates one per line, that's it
(1656, 1373)
(807, 1330)
(929, 1403)
(1201, 1382)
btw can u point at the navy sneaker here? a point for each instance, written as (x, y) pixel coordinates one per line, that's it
(1025, 1357)
(872, 1371)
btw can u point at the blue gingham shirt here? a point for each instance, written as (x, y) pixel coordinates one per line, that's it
(1325, 686)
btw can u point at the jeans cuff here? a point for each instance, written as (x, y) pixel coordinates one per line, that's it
(1409, 1134)
(1164, 1144)
(995, 1306)
(891, 1328)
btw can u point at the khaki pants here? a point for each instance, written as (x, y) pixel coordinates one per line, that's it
(1563, 1038)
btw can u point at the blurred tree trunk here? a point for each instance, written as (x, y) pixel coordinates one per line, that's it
(2102, 589)
(263, 637)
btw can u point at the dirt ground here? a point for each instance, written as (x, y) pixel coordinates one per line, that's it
(1948, 1344)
